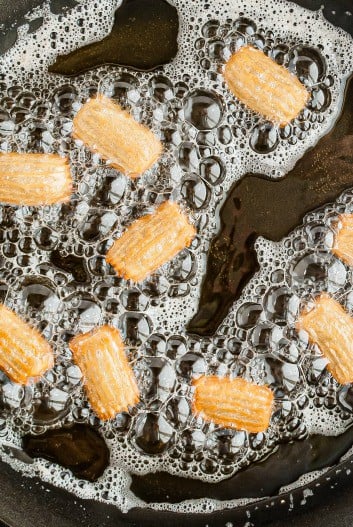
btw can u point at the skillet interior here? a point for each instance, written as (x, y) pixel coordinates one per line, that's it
(28, 502)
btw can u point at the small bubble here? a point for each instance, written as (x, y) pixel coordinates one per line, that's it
(64, 99)
(215, 49)
(176, 346)
(178, 411)
(308, 64)
(188, 157)
(210, 29)
(161, 88)
(191, 365)
(212, 170)
(135, 327)
(248, 315)
(39, 295)
(134, 300)
(196, 193)
(317, 272)
(7, 126)
(264, 138)
(320, 99)
(46, 239)
(118, 87)
(161, 379)
(245, 26)
(203, 109)
(153, 433)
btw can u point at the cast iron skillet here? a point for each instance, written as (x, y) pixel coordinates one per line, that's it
(26, 502)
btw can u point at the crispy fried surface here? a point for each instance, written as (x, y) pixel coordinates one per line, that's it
(107, 129)
(34, 179)
(343, 244)
(150, 242)
(108, 377)
(24, 353)
(331, 328)
(233, 403)
(264, 86)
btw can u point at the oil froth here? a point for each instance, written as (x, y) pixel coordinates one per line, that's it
(53, 266)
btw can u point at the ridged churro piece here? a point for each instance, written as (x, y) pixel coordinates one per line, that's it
(264, 86)
(330, 327)
(24, 352)
(107, 375)
(107, 129)
(233, 403)
(343, 243)
(150, 242)
(34, 179)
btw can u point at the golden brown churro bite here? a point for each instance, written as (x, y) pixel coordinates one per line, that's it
(24, 352)
(150, 242)
(330, 327)
(107, 375)
(264, 86)
(343, 243)
(233, 403)
(107, 129)
(34, 179)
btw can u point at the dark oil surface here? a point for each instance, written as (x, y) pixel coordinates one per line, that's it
(258, 206)
(265, 478)
(79, 448)
(143, 37)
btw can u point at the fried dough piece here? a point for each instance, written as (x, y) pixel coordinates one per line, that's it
(150, 242)
(107, 129)
(108, 377)
(343, 244)
(264, 86)
(24, 352)
(330, 327)
(233, 403)
(34, 179)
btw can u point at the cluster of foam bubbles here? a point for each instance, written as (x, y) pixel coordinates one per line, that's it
(54, 272)
(216, 45)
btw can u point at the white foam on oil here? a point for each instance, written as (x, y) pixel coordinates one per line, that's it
(26, 65)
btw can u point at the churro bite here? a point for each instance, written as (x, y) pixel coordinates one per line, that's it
(264, 86)
(24, 352)
(108, 378)
(233, 403)
(150, 242)
(34, 179)
(108, 130)
(343, 242)
(330, 327)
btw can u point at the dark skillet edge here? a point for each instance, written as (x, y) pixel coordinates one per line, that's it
(43, 505)
(26, 502)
